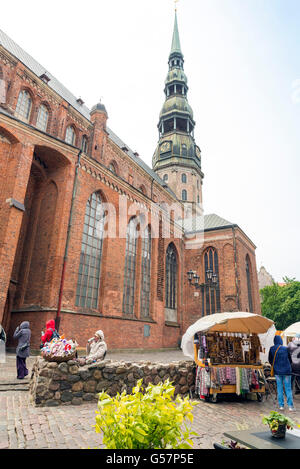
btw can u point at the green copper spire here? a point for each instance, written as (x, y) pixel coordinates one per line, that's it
(177, 154)
(175, 41)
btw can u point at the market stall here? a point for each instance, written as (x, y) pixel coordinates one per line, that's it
(227, 350)
(289, 333)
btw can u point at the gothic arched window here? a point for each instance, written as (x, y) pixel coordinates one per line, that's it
(91, 253)
(70, 135)
(212, 294)
(130, 267)
(42, 118)
(24, 106)
(249, 288)
(171, 277)
(146, 273)
(84, 144)
(184, 195)
(183, 178)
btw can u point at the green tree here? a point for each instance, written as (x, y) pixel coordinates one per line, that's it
(282, 304)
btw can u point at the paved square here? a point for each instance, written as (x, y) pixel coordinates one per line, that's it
(71, 427)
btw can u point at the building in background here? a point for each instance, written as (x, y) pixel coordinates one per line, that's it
(264, 278)
(64, 175)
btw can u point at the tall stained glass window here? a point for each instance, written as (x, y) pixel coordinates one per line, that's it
(130, 267)
(146, 273)
(91, 253)
(248, 274)
(171, 277)
(212, 294)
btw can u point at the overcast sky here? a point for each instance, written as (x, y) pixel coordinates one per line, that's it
(242, 61)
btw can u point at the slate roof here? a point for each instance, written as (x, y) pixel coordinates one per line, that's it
(206, 223)
(62, 91)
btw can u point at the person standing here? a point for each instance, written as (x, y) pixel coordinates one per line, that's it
(294, 349)
(2, 344)
(51, 332)
(23, 334)
(280, 358)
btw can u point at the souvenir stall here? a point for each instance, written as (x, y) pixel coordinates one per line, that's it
(289, 333)
(227, 350)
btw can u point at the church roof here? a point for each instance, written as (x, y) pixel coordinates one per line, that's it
(206, 223)
(62, 91)
(39, 70)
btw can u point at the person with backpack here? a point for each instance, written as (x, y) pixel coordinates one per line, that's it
(51, 333)
(280, 359)
(23, 334)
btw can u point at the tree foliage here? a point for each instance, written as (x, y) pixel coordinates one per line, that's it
(282, 303)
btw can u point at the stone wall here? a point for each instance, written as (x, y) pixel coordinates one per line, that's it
(54, 384)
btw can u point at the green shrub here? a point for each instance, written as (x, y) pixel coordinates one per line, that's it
(146, 419)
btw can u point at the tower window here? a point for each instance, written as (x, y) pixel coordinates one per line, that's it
(184, 150)
(183, 178)
(166, 177)
(181, 124)
(184, 195)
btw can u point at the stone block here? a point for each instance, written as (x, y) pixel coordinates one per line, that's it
(89, 386)
(64, 385)
(63, 367)
(97, 374)
(66, 396)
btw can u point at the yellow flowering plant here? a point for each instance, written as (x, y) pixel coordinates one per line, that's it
(146, 419)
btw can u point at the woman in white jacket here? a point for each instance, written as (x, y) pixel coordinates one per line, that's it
(96, 349)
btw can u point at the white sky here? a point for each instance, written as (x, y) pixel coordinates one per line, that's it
(242, 63)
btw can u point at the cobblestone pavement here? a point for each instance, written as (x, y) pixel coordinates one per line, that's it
(23, 425)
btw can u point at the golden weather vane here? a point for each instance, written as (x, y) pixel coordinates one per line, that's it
(176, 1)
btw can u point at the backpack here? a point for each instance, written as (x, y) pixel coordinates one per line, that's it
(55, 334)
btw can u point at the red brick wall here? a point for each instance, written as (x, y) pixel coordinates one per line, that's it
(38, 170)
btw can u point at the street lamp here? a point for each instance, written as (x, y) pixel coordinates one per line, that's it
(212, 282)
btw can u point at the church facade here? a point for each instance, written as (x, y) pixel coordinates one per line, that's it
(93, 237)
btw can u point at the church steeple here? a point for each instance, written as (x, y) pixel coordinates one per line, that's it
(177, 157)
(175, 40)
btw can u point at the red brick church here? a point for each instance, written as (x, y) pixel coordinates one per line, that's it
(93, 237)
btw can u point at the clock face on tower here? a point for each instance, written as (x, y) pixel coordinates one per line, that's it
(165, 146)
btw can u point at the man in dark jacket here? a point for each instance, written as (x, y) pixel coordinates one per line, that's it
(23, 334)
(282, 371)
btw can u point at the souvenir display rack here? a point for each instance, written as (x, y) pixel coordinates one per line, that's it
(228, 363)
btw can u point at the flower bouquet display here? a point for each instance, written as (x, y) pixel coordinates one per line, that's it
(59, 350)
